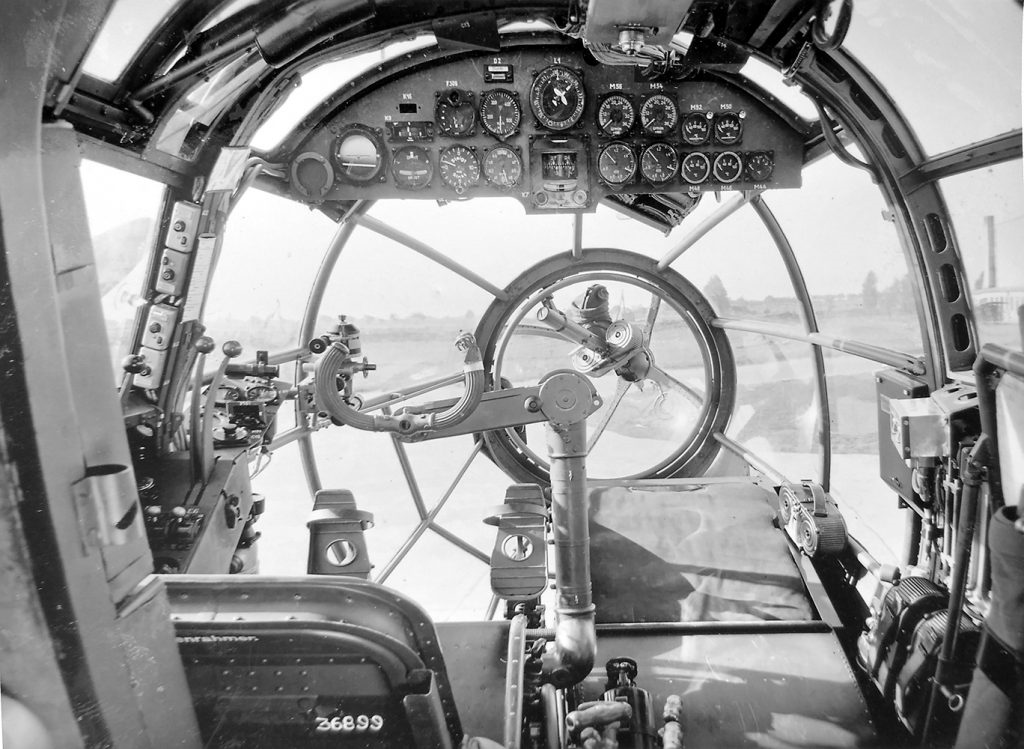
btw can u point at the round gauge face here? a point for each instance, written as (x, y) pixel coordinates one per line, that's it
(728, 128)
(359, 155)
(617, 163)
(459, 168)
(658, 115)
(695, 168)
(557, 98)
(616, 115)
(728, 167)
(500, 113)
(696, 128)
(503, 167)
(760, 165)
(659, 163)
(411, 167)
(454, 112)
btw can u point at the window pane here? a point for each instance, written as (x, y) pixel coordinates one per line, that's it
(272, 248)
(127, 26)
(953, 67)
(122, 210)
(850, 256)
(987, 209)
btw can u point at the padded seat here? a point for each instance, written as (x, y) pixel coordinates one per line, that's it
(691, 551)
(311, 661)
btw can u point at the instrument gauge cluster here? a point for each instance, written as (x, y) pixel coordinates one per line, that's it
(544, 124)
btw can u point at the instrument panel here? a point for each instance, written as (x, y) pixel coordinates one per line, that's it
(548, 127)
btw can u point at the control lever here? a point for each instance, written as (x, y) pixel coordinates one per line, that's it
(201, 422)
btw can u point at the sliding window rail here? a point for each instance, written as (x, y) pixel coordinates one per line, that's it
(889, 357)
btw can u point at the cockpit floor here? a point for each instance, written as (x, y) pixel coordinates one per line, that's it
(691, 551)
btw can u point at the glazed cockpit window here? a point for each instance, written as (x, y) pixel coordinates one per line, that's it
(972, 58)
(123, 211)
(987, 208)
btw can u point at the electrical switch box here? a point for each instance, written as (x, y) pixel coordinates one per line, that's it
(183, 226)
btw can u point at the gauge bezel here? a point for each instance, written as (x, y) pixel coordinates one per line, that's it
(675, 156)
(514, 150)
(394, 165)
(536, 98)
(441, 99)
(770, 155)
(738, 116)
(514, 98)
(706, 117)
(670, 126)
(376, 137)
(718, 158)
(459, 189)
(304, 190)
(633, 172)
(707, 171)
(632, 114)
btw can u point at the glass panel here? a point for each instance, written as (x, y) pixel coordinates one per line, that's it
(777, 414)
(987, 210)
(787, 92)
(953, 68)
(123, 210)
(316, 85)
(870, 507)
(127, 26)
(850, 256)
(260, 302)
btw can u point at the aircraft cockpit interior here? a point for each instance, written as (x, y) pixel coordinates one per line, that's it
(569, 374)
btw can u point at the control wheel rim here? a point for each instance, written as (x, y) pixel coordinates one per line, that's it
(499, 322)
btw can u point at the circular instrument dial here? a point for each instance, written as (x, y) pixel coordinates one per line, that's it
(455, 112)
(503, 167)
(760, 166)
(500, 112)
(658, 115)
(728, 128)
(696, 168)
(659, 163)
(359, 155)
(617, 163)
(411, 167)
(459, 168)
(728, 167)
(557, 98)
(696, 128)
(616, 115)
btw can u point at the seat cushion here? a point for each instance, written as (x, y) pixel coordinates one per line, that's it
(690, 552)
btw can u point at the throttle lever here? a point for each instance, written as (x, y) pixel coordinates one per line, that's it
(201, 422)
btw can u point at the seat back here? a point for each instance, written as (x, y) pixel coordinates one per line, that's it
(277, 661)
